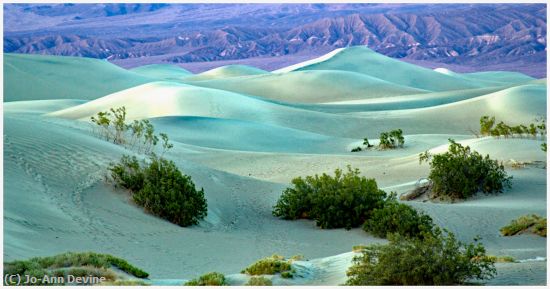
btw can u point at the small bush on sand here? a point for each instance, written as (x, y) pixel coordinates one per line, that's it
(460, 173)
(392, 139)
(77, 264)
(259, 281)
(436, 259)
(529, 223)
(209, 279)
(160, 187)
(138, 135)
(344, 200)
(268, 266)
(395, 217)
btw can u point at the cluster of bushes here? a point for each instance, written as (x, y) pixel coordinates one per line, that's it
(388, 140)
(528, 223)
(209, 279)
(488, 128)
(460, 173)
(435, 259)
(160, 187)
(342, 201)
(70, 263)
(348, 200)
(270, 266)
(156, 184)
(138, 135)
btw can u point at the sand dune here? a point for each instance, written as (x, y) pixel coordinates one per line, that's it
(243, 138)
(528, 102)
(241, 135)
(311, 86)
(160, 99)
(31, 77)
(162, 71)
(363, 60)
(227, 71)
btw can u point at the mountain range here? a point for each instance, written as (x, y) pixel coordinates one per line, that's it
(458, 36)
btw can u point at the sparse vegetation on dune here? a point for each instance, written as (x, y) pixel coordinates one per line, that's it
(270, 266)
(392, 139)
(436, 259)
(460, 173)
(139, 135)
(259, 281)
(158, 186)
(488, 128)
(344, 200)
(209, 279)
(529, 223)
(71, 263)
(388, 140)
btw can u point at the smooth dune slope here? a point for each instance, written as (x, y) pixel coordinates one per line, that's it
(514, 106)
(231, 134)
(311, 86)
(364, 60)
(163, 98)
(32, 77)
(489, 78)
(507, 77)
(228, 71)
(162, 71)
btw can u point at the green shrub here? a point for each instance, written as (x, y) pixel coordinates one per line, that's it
(460, 173)
(259, 281)
(139, 135)
(528, 223)
(395, 217)
(487, 127)
(392, 139)
(543, 147)
(128, 173)
(209, 279)
(540, 228)
(161, 189)
(357, 149)
(127, 267)
(268, 266)
(77, 264)
(436, 259)
(486, 124)
(342, 201)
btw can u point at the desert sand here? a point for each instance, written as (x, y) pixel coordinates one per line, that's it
(243, 134)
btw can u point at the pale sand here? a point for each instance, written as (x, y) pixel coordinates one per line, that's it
(244, 150)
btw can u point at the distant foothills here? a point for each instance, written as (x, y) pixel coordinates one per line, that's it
(460, 37)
